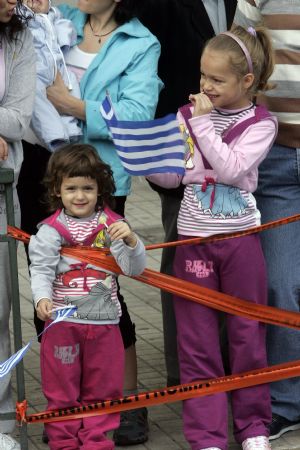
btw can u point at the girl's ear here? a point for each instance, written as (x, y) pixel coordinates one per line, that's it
(248, 80)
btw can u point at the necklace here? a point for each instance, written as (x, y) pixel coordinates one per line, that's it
(100, 35)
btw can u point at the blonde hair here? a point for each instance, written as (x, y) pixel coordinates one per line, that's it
(260, 50)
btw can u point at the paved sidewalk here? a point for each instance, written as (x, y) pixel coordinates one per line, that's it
(143, 212)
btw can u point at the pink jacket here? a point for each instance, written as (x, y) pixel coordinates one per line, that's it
(234, 164)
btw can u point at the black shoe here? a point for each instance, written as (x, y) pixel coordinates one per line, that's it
(281, 425)
(133, 427)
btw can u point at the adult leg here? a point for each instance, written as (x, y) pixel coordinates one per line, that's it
(6, 400)
(205, 419)
(169, 212)
(134, 424)
(243, 275)
(278, 195)
(31, 195)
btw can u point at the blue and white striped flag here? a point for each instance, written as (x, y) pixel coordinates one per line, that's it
(146, 147)
(11, 362)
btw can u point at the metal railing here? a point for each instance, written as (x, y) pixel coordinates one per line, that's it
(6, 180)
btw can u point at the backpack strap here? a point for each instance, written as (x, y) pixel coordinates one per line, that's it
(59, 227)
(233, 131)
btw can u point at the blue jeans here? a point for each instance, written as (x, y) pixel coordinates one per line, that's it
(278, 195)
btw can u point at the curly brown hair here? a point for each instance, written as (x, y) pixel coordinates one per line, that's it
(78, 160)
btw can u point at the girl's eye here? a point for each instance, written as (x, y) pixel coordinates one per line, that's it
(217, 81)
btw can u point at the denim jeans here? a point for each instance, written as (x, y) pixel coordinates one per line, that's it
(278, 195)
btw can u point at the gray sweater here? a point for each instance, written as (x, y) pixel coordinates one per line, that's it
(17, 102)
(47, 264)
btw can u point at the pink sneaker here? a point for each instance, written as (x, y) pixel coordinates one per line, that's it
(256, 443)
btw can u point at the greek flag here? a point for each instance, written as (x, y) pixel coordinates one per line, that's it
(146, 147)
(11, 362)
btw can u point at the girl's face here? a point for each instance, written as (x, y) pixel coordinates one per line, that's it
(223, 87)
(79, 196)
(97, 6)
(7, 10)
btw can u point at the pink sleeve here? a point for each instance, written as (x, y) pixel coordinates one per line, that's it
(233, 161)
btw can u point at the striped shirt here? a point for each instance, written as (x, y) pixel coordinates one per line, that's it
(233, 209)
(282, 18)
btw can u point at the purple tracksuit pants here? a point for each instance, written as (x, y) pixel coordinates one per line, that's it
(82, 364)
(235, 267)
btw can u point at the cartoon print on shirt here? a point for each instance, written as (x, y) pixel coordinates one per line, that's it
(189, 147)
(228, 201)
(97, 304)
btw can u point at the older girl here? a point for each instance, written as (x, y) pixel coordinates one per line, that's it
(228, 137)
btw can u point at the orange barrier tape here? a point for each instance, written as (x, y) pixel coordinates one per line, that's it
(224, 236)
(22, 236)
(166, 395)
(185, 289)
(191, 291)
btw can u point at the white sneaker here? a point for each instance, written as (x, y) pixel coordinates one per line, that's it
(210, 448)
(256, 443)
(8, 443)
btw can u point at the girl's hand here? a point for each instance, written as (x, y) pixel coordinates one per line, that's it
(44, 309)
(121, 230)
(58, 94)
(202, 104)
(3, 150)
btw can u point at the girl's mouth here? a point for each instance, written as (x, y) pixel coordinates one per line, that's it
(211, 96)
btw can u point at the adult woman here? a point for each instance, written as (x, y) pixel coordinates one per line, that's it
(114, 53)
(17, 80)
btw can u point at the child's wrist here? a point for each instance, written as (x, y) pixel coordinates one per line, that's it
(131, 240)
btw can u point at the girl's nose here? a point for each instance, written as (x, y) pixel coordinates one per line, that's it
(206, 85)
(79, 193)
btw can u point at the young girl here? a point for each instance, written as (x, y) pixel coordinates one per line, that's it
(82, 358)
(227, 137)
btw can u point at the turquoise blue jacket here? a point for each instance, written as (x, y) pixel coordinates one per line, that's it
(126, 67)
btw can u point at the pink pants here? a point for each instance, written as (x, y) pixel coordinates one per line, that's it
(82, 364)
(235, 267)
